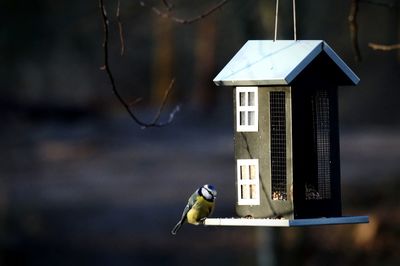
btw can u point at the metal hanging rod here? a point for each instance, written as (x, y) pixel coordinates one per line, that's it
(294, 20)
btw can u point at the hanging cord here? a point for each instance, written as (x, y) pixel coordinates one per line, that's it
(294, 20)
(276, 19)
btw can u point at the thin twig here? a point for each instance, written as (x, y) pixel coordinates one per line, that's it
(168, 15)
(167, 5)
(384, 47)
(164, 101)
(353, 26)
(377, 3)
(135, 102)
(120, 29)
(106, 67)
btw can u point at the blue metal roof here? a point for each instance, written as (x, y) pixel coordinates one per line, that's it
(261, 62)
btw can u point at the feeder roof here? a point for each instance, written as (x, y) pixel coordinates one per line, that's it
(261, 62)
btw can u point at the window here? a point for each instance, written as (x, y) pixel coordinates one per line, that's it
(246, 109)
(248, 182)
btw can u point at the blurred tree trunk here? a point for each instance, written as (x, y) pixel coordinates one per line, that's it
(267, 17)
(398, 32)
(4, 204)
(205, 94)
(163, 58)
(266, 246)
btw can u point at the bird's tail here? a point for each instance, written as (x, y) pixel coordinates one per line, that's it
(176, 228)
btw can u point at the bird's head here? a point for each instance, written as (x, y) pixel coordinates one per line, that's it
(208, 192)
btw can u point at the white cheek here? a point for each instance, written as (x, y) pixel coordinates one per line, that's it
(206, 194)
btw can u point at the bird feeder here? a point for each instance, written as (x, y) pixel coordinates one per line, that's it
(286, 135)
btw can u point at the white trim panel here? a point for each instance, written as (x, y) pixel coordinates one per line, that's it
(248, 182)
(246, 109)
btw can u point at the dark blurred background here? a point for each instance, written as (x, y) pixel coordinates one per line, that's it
(82, 184)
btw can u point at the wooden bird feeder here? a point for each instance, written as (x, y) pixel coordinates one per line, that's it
(286, 134)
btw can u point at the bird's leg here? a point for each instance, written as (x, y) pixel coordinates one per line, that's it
(202, 221)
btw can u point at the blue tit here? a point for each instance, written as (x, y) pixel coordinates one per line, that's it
(200, 205)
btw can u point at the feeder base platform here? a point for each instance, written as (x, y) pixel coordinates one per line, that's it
(285, 222)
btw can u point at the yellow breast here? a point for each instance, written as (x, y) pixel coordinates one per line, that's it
(200, 210)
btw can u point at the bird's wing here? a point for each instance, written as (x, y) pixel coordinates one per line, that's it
(189, 205)
(192, 200)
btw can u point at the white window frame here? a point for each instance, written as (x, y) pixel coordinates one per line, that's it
(246, 109)
(241, 182)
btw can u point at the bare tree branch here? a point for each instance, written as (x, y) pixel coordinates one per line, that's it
(156, 121)
(353, 26)
(378, 3)
(383, 47)
(167, 5)
(168, 14)
(354, 9)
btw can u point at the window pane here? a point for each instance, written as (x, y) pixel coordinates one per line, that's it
(242, 98)
(242, 118)
(252, 170)
(251, 119)
(245, 192)
(244, 172)
(251, 99)
(253, 191)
